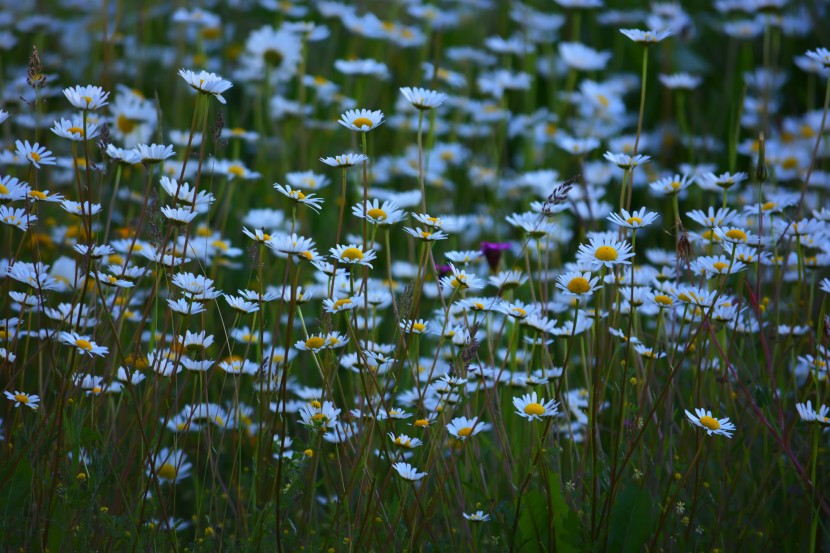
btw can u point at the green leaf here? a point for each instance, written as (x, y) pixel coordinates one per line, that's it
(631, 520)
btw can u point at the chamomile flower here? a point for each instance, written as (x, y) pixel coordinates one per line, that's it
(669, 186)
(408, 472)
(19, 218)
(734, 235)
(385, 214)
(626, 161)
(633, 220)
(86, 97)
(532, 408)
(83, 344)
(417, 326)
(605, 252)
(820, 55)
(322, 416)
(584, 58)
(314, 343)
(680, 81)
(459, 279)
(426, 235)
(353, 255)
(463, 428)
(344, 304)
(704, 419)
(298, 246)
(179, 215)
(21, 398)
(806, 412)
(646, 38)
(310, 200)
(422, 98)
(241, 305)
(153, 153)
(34, 153)
(206, 83)
(74, 130)
(478, 516)
(361, 120)
(169, 466)
(404, 441)
(344, 160)
(576, 283)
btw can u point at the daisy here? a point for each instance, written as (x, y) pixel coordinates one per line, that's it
(704, 419)
(422, 98)
(307, 179)
(680, 81)
(110, 280)
(13, 189)
(153, 153)
(74, 130)
(418, 326)
(712, 218)
(408, 472)
(206, 83)
(86, 97)
(426, 235)
(459, 279)
(353, 255)
(463, 428)
(647, 38)
(298, 197)
(806, 412)
(344, 304)
(344, 160)
(604, 252)
(21, 398)
(35, 153)
(257, 235)
(532, 408)
(634, 220)
(670, 186)
(314, 343)
(84, 344)
(575, 283)
(478, 516)
(361, 120)
(19, 218)
(179, 215)
(169, 466)
(584, 58)
(625, 161)
(185, 307)
(820, 55)
(402, 440)
(298, 246)
(192, 341)
(44, 196)
(386, 214)
(241, 305)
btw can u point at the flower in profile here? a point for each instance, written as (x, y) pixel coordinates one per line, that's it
(646, 38)
(404, 441)
(806, 412)
(680, 81)
(20, 398)
(74, 130)
(343, 304)
(669, 186)
(820, 55)
(35, 153)
(386, 214)
(532, 408)
(344, 160)
(635, 219)
(408, 472)
(309, 200)
(426, 235)
(463, 428)
(625, 161)
(361, 120)
(478, 516)
(206, 83)
(704, 419)
(170, 466)
(83, 344)
(153, 153)
(422, 98)
(314, 343)
(19, 218)
(86, 97)
(418, 326)
(579, 56)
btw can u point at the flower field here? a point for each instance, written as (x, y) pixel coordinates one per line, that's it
(464, 275)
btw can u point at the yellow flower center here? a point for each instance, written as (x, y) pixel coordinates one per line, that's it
(319, 417)
(76, 130)
(602, 100)
(316, 404)
(720, 265)
(634, 221)
(419, 327)
(426, 235)
(96, 390)
(465, 432)
(579, 285)
(709, 423)
(422, 423)
(236, 170)
(111, 279)
(307, 255)
(377, 214)
(519, 312)
(606, 253)
(125, 124)
(37, 194)
(87, 99)
(736, 234)
(534, 409)
(769, 206)
(314, 342)
(35, 156)
(361, 122)
(3, 189)
(167, 471)
(22, 398)
(352, 254)
(83, 344)
(662, 299)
